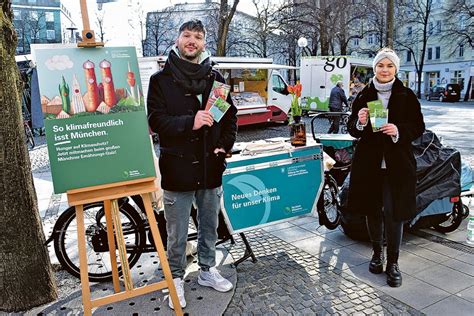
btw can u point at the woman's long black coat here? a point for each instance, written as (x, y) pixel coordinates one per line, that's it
(366, 184)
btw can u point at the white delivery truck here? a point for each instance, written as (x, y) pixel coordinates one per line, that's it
(319, 74)
(257, 88)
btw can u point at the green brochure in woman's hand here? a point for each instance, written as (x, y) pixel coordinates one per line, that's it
(378, 115)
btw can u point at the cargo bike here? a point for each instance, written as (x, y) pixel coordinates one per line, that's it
(442, 181)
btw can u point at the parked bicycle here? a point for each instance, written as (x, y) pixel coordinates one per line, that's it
(136, 232)
(328, 204)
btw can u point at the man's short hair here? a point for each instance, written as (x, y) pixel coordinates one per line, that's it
(339, 84)
(193, 25)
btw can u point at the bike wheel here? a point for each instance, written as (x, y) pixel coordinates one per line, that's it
(344, 121)
(328, 204)
(453, 219)
(30, 140)
(97, 252)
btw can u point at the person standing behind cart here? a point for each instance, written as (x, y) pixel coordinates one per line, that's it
(336, 99)
(383, 172)
(192, 152)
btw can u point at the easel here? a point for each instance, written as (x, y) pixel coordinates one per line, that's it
(88, 36)
(109, 193)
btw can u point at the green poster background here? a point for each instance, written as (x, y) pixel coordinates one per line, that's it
(96, 126)
(94, 156)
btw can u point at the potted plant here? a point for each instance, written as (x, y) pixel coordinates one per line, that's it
(296, 109)
(297, 128)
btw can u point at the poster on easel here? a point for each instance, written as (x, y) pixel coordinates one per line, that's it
(94, 111)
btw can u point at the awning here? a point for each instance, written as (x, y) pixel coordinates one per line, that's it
(251, 66)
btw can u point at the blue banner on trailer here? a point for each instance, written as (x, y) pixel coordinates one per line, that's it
(270, 188)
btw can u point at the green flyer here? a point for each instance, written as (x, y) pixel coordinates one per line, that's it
(378, 115)
(94, 110)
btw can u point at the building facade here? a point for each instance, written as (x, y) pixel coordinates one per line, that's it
(40, 21)
(448, 59)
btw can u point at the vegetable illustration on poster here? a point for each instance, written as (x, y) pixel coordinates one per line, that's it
(95, 119)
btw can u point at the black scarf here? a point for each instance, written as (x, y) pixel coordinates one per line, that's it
(191, 76)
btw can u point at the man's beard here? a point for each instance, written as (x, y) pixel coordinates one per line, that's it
(190, 57)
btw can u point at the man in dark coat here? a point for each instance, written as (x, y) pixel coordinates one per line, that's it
(336, 99)
(383, 172)
(192, 152)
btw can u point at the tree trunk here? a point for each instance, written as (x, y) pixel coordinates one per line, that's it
(225, 17)
(26, 278)
(323, 29)
(390, 23)
(419, 74)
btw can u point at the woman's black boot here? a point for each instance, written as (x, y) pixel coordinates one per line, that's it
(394, 276)
(376, 263)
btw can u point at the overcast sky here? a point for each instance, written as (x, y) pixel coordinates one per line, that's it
(148, 5)
(244, 5)
(118, 31)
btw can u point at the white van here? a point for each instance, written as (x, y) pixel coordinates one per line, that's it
(319, 74)
(257, 88)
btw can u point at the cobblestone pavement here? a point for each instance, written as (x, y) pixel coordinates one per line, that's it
(39, 156)
(286, 280)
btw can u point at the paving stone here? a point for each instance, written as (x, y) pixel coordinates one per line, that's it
(299, 283)
(285, 279)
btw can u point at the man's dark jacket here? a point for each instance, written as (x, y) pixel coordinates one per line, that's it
(366, 184)
(187, 159)
(336, 99)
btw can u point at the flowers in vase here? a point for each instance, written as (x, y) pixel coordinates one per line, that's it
(296, 109)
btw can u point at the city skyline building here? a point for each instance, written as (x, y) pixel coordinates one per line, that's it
(41, 21)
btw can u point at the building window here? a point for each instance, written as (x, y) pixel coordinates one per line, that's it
(409, 31)
(457, 78)
(437, 52)
(355, 41)
(16, 14)
(461, 50)
(430, 53)
(49, 16)
(50, 34)
(408, 56)
(438, 27)
(370, 39)
(430, 28)
(34, 15)
(34, 34)
(462, 22)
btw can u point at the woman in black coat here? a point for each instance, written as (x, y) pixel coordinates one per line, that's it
(383, 173)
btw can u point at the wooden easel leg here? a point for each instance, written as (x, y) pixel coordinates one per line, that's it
(161, 253)
(81, 240)
(111, 241)
(127, 278)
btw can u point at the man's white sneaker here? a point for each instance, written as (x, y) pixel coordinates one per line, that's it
(179, 285)
(191, 248)
(212, 278)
